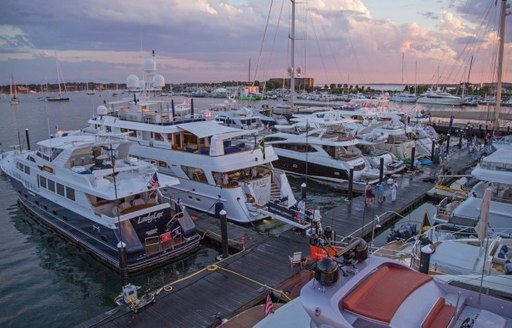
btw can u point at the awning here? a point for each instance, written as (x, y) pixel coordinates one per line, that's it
(205, 129)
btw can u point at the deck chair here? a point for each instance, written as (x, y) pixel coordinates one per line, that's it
(295, 259)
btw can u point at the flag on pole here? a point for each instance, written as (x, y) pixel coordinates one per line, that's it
(153, 182)
(269, 306)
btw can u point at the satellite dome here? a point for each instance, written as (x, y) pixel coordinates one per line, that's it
(142, 84)
(158, 81)
(101, 110)
(132, 81)
(149, 65)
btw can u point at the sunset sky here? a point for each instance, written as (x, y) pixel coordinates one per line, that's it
(338, 41)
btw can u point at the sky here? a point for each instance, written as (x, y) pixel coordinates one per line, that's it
(336, 41)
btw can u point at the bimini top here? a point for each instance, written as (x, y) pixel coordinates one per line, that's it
(496, 167)
(379, 295)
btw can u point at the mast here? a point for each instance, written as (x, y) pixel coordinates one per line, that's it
(249, 72)
(500, 64)
(415, 77)
(292, 58)
(469, 74)
(402, 80)
(58, 73)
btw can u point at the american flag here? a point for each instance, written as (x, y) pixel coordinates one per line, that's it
(269, 306)
(153, 182)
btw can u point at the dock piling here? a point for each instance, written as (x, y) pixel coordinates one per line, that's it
(303, 190)
(224, 233)
(413, 153)
(350, 182)
(28, 139)
(121, 246)
(381, 169)
(425, 259)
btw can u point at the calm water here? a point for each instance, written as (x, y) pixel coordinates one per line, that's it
(44, 279)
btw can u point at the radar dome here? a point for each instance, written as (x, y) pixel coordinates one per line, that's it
(142, 84)
(149, 65)
(158, 81)
(132, 82)
(101, 110)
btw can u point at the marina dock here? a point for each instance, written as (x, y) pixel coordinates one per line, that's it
(243, 280)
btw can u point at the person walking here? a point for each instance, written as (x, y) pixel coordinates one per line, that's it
(301, 207)
(394, 188)
(380, 192)
(369, 195)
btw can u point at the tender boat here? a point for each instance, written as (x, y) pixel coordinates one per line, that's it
(88, 189)
(493, 171)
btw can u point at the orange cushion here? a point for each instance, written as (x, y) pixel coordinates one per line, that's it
(440, 315)
(379, 295)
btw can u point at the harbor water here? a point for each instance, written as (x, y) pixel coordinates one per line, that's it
(46, 281)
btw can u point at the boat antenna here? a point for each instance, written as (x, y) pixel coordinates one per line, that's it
(500, 65)
(120, 245)
(111, 151)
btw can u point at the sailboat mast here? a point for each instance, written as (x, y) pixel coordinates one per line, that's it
(402, 71)
(500, 64)
(58, 73)
(292, 58)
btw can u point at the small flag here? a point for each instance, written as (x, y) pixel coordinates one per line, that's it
(176, 232)
(153, 182)
(269, 306)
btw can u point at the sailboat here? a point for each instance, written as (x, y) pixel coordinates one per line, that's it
(404, 96)
(14, 92)
(89, 92)
(60, 96)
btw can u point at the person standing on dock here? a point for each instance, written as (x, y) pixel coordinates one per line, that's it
(394, 188)
(301, 207)
(369, 195)
(380, 192)
(317, 217)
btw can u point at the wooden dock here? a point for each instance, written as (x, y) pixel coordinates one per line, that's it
(243, 280)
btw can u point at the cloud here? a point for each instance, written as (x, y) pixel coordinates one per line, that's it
(213, 40)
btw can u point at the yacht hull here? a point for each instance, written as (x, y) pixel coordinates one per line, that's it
(99, 240)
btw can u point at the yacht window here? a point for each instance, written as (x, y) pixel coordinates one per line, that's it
(56, 152)
(42, 182)
(270, 139)
(162, 164)
(51, 185)
(70, 193)
(300, 148)
(157, 137)
(60, 189)
(194, 173)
